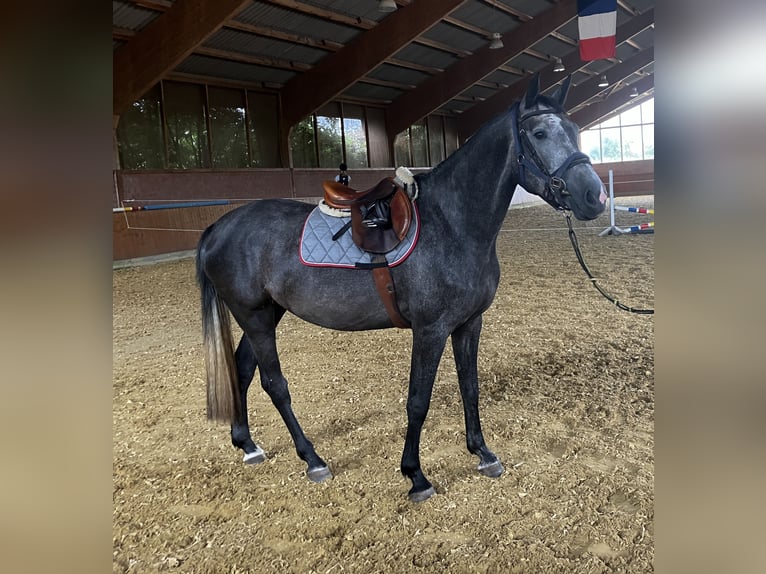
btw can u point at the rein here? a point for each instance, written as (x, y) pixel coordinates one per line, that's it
(611, 298)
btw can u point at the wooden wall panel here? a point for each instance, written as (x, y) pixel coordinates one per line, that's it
(146, 233)
(629, 177)
(201, 185)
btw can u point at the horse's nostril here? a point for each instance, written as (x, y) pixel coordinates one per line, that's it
(595, 196)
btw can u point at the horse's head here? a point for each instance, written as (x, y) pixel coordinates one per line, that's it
(550, 162)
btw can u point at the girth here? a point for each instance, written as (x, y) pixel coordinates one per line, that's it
(384, 284)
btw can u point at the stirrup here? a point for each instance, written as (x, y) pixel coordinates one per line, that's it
(376, 222)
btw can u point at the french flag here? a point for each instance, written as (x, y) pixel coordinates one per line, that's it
(597, 22)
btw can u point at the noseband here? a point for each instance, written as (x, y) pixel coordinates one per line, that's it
(555, 184)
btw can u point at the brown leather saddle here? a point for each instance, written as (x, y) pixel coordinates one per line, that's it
(380, 219)
(380, 216)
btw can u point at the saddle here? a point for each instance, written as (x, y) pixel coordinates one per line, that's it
(380, 219)
(380, 216)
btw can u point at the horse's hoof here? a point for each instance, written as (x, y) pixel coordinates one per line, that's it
(319, 474)
(422, 495)
(491, 469)
(254, 457)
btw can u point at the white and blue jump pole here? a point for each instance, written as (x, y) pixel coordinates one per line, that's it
(614, 229)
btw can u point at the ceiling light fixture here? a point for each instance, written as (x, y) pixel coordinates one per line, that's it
(603, 83)
(633, 92)
(497, 41)
(387, 5)
(559, 66)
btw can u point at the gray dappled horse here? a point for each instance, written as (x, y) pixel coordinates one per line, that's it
(247, 262)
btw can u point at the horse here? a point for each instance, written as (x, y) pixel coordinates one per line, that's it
(247, 265)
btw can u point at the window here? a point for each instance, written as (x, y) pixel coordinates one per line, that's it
(402, 149)
(263, 114)
(340, 135)
(187, 126)
(303, 143)
(626, 137)
(140, 139)
(228, 130)
(425, 143)
(355, 136)
(183, 125)
(330, 140)
(436, 138)
(419, 144)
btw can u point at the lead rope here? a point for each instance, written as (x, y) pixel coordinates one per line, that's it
(576, 246)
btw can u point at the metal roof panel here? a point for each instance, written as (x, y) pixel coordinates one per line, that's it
(372, 92)
(531, 7)
(477, 91)
(206, 66)
(131, 17)
(456, 37)
(268, 15)
(392, 73)
(500, 77)
(426, 56)
(236, 41)
(553, 47)
(486, 17)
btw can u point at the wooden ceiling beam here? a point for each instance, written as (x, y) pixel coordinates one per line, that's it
(434, 92)
(275, 34)
(475, 117)
(512, 70)
(123, 34)
(518, 14)
(157, 5)
(582, 92)
(598, 112)
(563, 38)
(336, 72)
(163, 44)
(414, 66)
(324, 14)
(230, 56)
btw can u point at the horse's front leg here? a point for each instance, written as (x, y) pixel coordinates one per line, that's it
(465, 346)
(427, 349)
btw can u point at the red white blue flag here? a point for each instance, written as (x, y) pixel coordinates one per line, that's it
(597, 22)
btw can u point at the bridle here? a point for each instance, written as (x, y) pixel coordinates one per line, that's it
(555, 185)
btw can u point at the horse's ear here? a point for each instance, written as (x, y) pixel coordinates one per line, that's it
(533, 90)
(560, 95)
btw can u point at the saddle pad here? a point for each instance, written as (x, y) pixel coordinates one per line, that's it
(317, 248)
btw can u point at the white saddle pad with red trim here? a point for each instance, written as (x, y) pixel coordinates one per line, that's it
(318, 249)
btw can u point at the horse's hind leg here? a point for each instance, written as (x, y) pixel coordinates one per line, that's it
(240, 430)
(465, 346)
(260, 329)
(246, 364)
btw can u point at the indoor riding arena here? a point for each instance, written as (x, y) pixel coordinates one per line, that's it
(260, 100)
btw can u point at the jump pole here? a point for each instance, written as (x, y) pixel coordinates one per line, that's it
(612, 229)
(169, 206)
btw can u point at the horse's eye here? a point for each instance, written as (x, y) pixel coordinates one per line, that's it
(539, 134)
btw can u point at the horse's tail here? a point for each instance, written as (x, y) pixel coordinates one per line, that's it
(222, 385)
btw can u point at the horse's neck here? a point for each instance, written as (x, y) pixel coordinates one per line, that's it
(473, 187)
